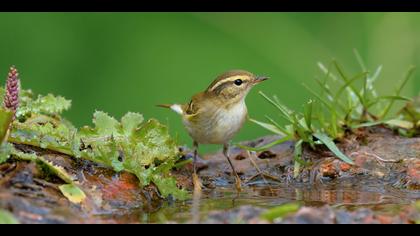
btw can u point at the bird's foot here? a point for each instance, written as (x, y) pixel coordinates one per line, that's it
(238, 183)
(196, 182)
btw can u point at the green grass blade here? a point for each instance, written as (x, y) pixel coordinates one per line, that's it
(332, 129)
(392, 122)
(365, 88)
(400, 123)
(7, 218)
(340, 70)
(300, 130)
(320, 117)
(367, 124)
(325, 88)
(321, 99)
(395, 97)
(406, 78)
(327, 72)
(282, 109)
(347, 84)
(370, 83)
(277, 125)
(273, 121)
(359, 59)
(329, 94)
(345, 79)
(276, 99)
(269, 127)
(375, 75)
(334, 125)
(308, 113)
(285, 108)
(398, 90)
(327, 141)
(298, 158)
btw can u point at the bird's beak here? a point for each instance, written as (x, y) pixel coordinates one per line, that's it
(260, 79)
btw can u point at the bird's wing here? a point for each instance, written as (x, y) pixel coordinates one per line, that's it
(192, 109)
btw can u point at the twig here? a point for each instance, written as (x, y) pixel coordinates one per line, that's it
(377, 157)
(258, 170)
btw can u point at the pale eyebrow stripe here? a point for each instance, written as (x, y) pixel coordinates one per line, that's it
(229, 79)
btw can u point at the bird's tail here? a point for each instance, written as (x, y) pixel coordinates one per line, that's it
(175, 107)
(164, 105)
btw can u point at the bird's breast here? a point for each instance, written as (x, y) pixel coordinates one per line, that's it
(218, 124)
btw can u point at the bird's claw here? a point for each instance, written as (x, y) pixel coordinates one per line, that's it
(197, 183)
(238, 183)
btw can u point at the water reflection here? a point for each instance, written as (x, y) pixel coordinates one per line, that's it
(346, 195)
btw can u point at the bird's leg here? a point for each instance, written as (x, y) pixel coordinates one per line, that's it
(196, 180)
(195, 209)
(237, 179)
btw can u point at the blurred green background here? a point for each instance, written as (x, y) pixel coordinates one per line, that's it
(119, 62)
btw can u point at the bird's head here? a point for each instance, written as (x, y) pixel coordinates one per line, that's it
(234, 85)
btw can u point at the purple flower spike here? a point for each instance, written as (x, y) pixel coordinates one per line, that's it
(11, 98)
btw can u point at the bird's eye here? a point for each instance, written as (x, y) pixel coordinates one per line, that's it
(238, 82)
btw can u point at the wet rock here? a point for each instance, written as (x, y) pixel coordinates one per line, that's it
(413, 175)
(311, 215)
(266, 155)
(329, 170)
(360, 216)
(345, 167)
(241, 215)
(406, 214)
(328, 215)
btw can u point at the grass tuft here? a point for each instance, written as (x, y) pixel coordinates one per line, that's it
(343, 102)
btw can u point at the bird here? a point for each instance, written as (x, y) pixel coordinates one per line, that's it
(217, 114)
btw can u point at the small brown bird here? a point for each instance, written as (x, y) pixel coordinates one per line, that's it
(217, 114)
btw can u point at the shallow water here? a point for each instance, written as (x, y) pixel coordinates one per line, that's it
(376, 196)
